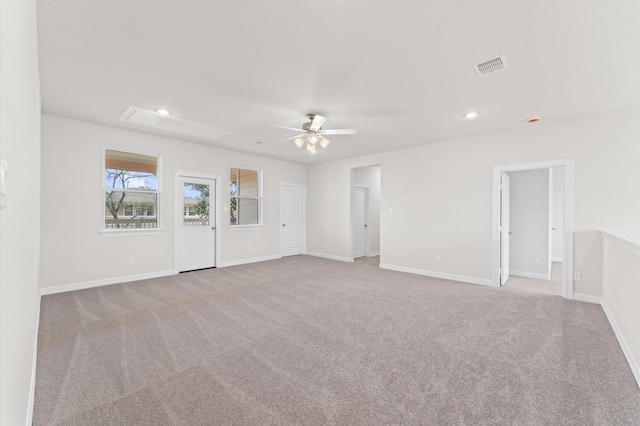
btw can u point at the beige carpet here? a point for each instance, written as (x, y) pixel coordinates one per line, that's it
(310, 341)
(552, 286)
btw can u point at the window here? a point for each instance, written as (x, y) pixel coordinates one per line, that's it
(131, 192)
(245, 191)
(190, 210)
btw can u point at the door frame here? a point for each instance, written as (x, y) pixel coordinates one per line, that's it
(568, 164)
(177, 214)
(304, 214)
(367, 235)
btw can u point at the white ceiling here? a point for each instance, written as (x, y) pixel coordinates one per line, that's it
(400, 72)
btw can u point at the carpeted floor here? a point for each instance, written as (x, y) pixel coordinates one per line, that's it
(305, 340)
(552, 286)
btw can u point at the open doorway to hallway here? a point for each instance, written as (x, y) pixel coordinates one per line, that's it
(365, 211)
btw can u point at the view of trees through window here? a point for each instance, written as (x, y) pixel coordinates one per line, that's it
(130, 190)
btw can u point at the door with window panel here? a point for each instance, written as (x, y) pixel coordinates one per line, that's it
(197, 235)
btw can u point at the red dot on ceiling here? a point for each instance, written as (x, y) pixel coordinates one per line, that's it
(533, 120)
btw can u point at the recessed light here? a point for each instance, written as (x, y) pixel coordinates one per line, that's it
(471, 114)
(163, 111)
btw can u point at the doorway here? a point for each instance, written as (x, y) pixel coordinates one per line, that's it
(365, 211)
(196, 219)
(511, 214)
(292, 219)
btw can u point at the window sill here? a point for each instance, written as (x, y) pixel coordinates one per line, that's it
(244, 227)
(130, 232)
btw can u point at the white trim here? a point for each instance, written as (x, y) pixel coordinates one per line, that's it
(556, 259)
(633, 363)
(434, 274)
(234, 228)
(34, 363)
(107, 281)
(130, 232)
(178, 218)
(623, 240)
(529, 275)
(374, 253)
(329, 256)
(596, 300)
(567, 252)
(246, 261)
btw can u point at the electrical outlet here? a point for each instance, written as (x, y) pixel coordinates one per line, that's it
(537, 260)
(577, 276)
(437, 259)
(131, 261)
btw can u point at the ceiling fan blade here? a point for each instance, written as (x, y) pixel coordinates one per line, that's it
(338, 132)
(293, 137)
(285, 127)
(317, 122)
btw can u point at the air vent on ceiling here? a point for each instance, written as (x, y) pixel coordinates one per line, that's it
(491, 65)
(164, 124)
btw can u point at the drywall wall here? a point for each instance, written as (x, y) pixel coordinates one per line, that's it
(529, 223)
(240, 244)
(620, 291)
(73, 250)
(20, 220)
(557, 223)
(370, 177)
(436, 199)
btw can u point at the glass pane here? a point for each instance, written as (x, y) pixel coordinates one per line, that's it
(196, 204)
(130, 210)
(124, 170)
(244, 211)
(243, 183)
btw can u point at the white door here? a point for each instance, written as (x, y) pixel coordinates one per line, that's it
(505, 231)
(360, 209)
(292, 219)
(197, 228)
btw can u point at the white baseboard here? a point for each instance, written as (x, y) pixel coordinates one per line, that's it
(32, 386)
(633, 363)
(556, 259)
(374, 253)
(107, 281)
(452, 277)
(529, 275)
(250, 260)
(596, 300)
(330, 256)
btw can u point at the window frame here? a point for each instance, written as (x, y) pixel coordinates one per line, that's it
(259, 198)
(118, 232)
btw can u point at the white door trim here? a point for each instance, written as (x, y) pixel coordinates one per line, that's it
(178, 213)
(567, 163)
(304, 214)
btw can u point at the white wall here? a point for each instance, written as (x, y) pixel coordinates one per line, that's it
(557, 176)
(246, 244)
(621, 292)
(529, 223)
(370, 177)
(73, 251)
(440, 194)
(20, 221)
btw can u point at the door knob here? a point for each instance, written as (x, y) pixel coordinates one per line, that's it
(365, 225)
(213, 227)
(284, 224)
(510, 233)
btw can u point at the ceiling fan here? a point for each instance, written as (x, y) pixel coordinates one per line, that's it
(313, 134)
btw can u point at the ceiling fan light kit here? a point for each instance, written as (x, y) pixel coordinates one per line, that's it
(313, 134)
